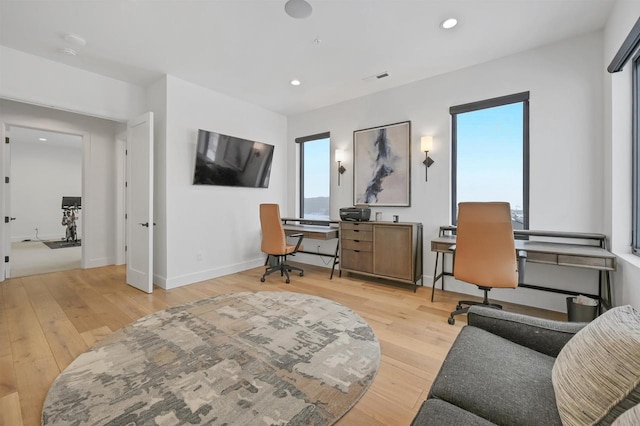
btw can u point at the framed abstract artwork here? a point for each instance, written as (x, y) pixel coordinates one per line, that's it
(382, 165)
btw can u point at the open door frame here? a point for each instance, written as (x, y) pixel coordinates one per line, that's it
(5, 172)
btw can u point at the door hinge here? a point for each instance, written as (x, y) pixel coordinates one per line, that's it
(126, 152)
(125, 216)
(125, 184)
(6, 179)
(6, 259)
(6, 219)
(6, 139)
(125, 248)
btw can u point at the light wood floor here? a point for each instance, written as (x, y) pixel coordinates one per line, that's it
(46, 321)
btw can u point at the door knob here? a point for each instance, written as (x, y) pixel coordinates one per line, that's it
(146, 224)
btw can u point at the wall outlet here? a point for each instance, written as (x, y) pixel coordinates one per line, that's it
(199, 256)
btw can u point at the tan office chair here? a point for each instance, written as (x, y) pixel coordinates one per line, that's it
(485, 253)
(274, 242)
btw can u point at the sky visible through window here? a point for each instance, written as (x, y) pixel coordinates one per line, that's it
(316, 168)
(489, 155)
(316, 178)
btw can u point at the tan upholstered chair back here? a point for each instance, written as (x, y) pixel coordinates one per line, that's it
(485, 252)
(273, 238)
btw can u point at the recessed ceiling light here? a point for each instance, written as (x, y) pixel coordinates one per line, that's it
(295, 82)
(74, 39)
(43, 139)
(68, 51)
(449, 23)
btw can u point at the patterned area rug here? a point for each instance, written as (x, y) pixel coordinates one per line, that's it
(266, 358)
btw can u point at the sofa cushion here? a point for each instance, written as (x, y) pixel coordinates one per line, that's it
(436, 412)
(631, 417)
(596, 376)
(496, 379)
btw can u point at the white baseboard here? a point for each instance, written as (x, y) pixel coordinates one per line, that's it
(522, 296)
(96, 263)
(169, 283)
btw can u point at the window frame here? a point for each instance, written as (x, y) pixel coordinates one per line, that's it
(301, 141)
(522, 97)
(635, 156)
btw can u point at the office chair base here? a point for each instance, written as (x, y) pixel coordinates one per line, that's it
(463, 310)
(283, 268)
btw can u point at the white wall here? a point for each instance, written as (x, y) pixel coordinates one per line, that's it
(41, 174)
(213, 230)
(35, 80)
(618, 142)
(565, 81)
(157, 102)
(99, 207)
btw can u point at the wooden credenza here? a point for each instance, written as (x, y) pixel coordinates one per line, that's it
(382, 249)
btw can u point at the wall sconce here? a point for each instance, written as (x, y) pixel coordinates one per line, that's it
(340, 159)
(426, 145)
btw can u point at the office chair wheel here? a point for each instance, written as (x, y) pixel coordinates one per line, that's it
(451, 320)
(288, 281)
(262, 279)
(302, 274)
(458, 307)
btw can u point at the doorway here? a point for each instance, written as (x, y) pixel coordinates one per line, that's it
(45, 204)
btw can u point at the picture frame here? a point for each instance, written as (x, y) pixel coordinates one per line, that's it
(382, 165)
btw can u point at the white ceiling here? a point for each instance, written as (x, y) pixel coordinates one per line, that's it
(250, 49)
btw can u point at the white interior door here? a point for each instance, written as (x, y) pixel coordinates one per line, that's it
(139, 203)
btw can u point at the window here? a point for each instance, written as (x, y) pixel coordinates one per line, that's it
(314, 176)
(490, 154)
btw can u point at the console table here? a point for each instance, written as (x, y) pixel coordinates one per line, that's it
(382, 249)
(586, 250)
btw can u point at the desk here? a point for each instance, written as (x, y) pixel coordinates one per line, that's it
(591, 255)
(315, 230)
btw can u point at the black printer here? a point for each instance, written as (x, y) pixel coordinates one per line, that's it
(355, 214)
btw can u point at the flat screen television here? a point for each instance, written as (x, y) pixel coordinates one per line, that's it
(230, 161)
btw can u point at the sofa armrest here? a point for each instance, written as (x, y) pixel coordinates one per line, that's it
(541, 335)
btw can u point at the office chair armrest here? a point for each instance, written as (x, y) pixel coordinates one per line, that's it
(299, 237)
(541, 335)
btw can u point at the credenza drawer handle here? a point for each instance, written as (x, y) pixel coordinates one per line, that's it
(357, 241)
(356, 230)
(357, 251)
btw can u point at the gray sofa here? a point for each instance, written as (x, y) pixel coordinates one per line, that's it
(498, 371)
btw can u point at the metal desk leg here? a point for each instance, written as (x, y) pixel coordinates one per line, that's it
(335, 260)
(435, 271)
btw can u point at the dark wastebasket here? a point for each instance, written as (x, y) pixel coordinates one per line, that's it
(577, 312)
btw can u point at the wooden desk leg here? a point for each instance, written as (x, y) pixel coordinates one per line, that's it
(435, 274)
